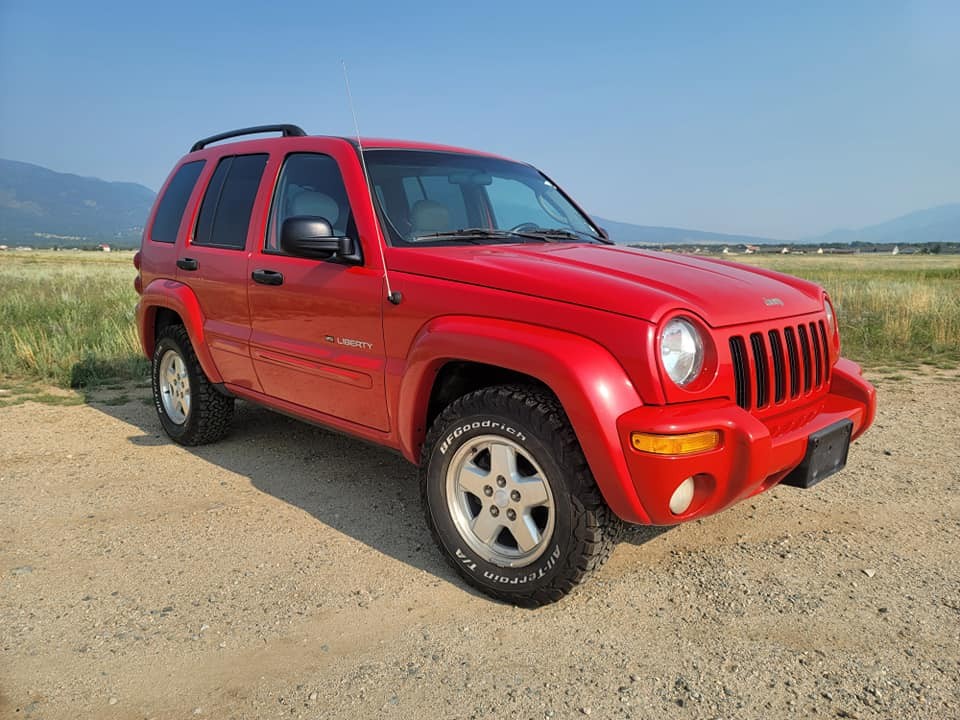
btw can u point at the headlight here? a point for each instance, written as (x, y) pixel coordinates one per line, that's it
(681, 351)
(832, 326)
(831, 318)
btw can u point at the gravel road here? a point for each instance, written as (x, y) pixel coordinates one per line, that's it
(287, 573)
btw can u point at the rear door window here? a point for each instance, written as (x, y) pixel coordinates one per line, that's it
(166, 224)
(228, 202)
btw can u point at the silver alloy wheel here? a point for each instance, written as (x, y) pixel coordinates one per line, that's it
(174, 387)
(500, 501)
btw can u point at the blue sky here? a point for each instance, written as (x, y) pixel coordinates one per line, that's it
(768, 118)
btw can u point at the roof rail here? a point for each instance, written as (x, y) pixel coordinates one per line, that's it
(287, 130)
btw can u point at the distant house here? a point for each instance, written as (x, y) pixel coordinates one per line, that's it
(103, 247)
(841, 251)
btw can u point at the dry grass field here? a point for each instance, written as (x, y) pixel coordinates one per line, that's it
(893, 309)
(66, 318)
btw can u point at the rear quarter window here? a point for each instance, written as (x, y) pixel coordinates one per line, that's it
(166, 224)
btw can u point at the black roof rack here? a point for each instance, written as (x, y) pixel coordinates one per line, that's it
(287, 130)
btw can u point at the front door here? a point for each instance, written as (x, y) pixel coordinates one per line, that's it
(316, 326)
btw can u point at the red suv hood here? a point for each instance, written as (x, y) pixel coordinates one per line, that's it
(639, 283)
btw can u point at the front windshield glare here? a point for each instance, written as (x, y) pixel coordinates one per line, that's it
(430, 196)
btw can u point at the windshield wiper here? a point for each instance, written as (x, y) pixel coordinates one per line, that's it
(556, 234)
(475, 235)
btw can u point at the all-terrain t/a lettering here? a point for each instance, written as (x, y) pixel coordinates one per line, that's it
(522, 579)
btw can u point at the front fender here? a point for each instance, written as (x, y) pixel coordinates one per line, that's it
(590, 384)
(165, 293)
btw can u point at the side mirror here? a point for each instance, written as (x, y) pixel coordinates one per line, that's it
(312, 237)
(603, 233)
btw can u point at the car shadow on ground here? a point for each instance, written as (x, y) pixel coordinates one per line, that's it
(366, 492)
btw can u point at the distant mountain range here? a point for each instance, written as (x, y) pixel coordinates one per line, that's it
(630, 234)
(933, 225)
(43, 208)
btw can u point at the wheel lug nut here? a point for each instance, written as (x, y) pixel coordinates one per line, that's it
(515, 495)
(487, 490)
(494, 510)
(501, 481)
(511, 514)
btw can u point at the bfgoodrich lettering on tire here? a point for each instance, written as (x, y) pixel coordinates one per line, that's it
(509, 497)
(190, 408)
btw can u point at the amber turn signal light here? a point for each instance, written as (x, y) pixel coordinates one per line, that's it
(675, 444)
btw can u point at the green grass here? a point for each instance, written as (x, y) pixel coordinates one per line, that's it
(893, 310)
(15, 393)
(67, 319)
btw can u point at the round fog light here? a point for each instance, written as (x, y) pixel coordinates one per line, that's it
(682, 497)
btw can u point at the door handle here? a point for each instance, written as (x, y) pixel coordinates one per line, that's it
(187, 263)
(267, 277)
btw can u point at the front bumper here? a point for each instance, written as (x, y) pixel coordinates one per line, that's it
(754, 453)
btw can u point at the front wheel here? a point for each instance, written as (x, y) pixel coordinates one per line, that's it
(509, 496)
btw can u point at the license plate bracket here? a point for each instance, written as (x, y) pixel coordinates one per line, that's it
(826, 454)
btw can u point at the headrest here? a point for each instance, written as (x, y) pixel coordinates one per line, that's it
(315, 204)
(428, 216)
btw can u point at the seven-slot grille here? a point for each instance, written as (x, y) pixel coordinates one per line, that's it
(770, 368)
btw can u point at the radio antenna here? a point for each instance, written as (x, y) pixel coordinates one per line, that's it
(393, 297)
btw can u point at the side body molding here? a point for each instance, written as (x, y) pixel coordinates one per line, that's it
(165, 293)
(591, 385)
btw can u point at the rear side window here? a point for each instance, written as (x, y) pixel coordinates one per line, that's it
(228, 202)
(174, 202)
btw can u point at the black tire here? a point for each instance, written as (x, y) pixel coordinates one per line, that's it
(210, 412)
(584, 531)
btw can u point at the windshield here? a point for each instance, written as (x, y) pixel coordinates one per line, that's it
(450, 198)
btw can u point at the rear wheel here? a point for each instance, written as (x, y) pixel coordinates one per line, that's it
(509, 496)
(191, 410)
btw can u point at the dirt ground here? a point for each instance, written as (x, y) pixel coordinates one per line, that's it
(287, 573)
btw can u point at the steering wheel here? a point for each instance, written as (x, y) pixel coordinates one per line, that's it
(523, 227)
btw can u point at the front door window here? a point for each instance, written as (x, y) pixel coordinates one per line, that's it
(310, 185)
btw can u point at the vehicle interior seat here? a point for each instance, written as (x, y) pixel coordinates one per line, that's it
(428, 216)
(314, 204)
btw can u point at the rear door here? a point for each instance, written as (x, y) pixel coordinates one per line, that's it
(317, 338)
(213, 263)
(160, 243)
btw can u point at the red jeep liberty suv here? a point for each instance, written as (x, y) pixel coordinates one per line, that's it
(462, 310)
